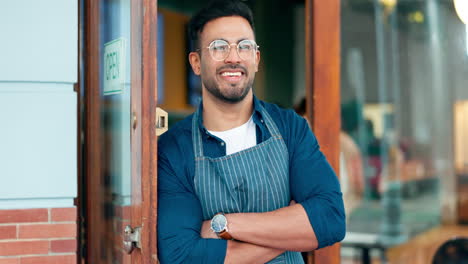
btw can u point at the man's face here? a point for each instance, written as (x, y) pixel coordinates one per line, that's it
(231, 79)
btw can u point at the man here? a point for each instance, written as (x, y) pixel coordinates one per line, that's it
(230, 174)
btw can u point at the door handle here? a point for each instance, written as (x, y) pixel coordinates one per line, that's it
(131, 238)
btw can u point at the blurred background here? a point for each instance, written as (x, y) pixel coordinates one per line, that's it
(404, 118)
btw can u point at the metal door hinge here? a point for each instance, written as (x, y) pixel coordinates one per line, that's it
(161, 121)
(132, 238)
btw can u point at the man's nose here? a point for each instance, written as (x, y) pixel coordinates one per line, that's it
(233, 56)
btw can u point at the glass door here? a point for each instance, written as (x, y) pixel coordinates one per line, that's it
(119, 131)
(115, 123)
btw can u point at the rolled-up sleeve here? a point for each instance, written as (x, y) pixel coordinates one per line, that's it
(180, 218)
(314, 185)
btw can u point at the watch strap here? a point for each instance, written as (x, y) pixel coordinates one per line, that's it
(225, 235)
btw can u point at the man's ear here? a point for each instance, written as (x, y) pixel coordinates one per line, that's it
(194, 59)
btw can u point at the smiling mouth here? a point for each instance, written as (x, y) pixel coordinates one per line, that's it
(231, 74)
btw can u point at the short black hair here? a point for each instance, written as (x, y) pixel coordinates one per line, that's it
(216, 9)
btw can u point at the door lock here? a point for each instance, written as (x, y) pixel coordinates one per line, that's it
(131, 238)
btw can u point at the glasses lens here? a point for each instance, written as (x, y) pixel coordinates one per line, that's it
(246, 49)
(219, 49)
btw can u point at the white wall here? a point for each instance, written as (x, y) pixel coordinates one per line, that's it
(38, 107)
(39, 40)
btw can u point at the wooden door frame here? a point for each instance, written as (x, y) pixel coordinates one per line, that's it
(143, 136)
(90, 196)
(323, 90)
(147, 108)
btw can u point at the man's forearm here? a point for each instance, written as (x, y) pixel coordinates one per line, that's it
(287, 228)
(240, 252)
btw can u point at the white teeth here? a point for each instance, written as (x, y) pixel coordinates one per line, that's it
(231, 74)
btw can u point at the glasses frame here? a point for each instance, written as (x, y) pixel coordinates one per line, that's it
(256, 48)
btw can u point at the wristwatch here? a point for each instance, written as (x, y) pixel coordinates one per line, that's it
(219, 226)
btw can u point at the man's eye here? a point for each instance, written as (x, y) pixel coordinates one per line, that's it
(245, 47)
(220, 48)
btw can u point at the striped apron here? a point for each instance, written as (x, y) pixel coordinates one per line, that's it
(253, 180)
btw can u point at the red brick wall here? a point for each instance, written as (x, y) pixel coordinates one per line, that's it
(38, 236)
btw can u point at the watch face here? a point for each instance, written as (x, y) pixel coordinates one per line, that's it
(218, 223)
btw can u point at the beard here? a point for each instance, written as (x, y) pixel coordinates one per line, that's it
(233, 94)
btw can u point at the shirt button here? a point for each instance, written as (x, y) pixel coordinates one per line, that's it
(261, 120)
(222, 143)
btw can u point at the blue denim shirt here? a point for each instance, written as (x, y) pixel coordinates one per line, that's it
(313, 184)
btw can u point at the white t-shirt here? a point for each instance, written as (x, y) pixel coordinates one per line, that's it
(238, 138)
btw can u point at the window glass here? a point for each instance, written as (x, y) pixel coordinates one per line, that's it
(404, 69)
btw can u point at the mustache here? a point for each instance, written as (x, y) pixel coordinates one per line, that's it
(232, 67)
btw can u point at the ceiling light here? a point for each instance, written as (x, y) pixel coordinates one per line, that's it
(461, 7)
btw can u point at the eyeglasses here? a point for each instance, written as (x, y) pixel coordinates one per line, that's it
(220, 49)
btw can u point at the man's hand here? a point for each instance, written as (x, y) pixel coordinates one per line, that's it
(206, 231)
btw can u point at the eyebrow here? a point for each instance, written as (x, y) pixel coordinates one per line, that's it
(239, 40)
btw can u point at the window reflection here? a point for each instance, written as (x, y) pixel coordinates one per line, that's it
(403, 70)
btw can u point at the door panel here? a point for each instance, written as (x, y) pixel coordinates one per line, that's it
(120, 141)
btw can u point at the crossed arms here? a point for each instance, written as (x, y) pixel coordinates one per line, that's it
(266, 235)
(316, 221)
(184, 236)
